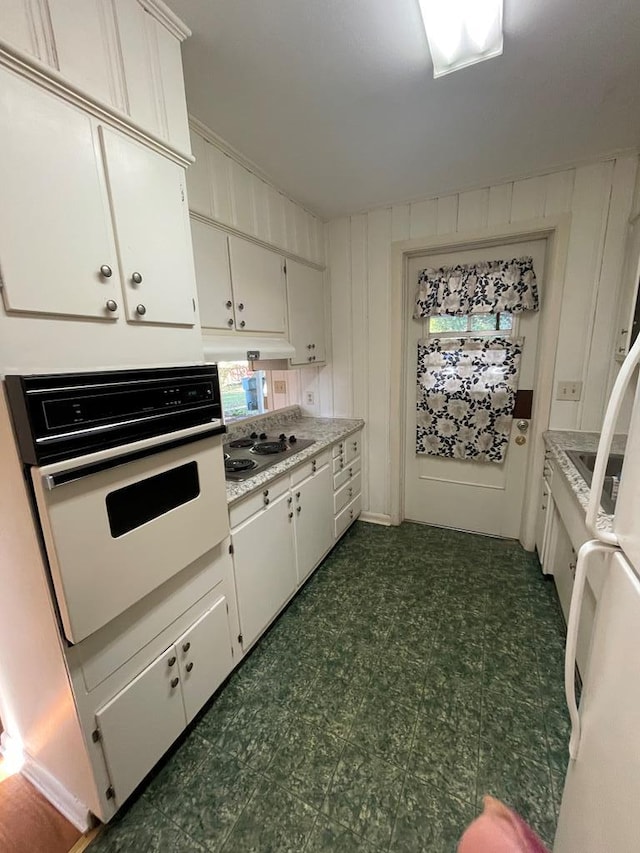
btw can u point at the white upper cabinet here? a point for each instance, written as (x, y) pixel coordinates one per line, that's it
(55, 228)
(198, 178)
(86, 42)
(213, 276)
(257, 277)
(152, 227)
(123, 53)
(305, 294)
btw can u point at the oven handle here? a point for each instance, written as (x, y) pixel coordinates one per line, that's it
(69, 475)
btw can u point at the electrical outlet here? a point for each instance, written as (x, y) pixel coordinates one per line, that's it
(310, 398)
(568, 390)
(280, 386)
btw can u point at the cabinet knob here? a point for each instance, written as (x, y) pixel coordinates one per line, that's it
(172, 660)
(111, 305)
(289, 501)
(290, 515)
(186, 647)
(230, 322)
(242, 324)
(189, 666)
(266, 493)
(310, 358)
(106, 271)
(350, 513)
(136, 278)
(175, 682)
(240, 306)
(350, 492)
(313, 346)
(228, 303)
(308, 346)
(298, 509)
(351, 472)
(298, 495)
(266, 501)
(141, 310)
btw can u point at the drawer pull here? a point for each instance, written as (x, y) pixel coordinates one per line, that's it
(189, 666)
(289, 500)
(266, 501)
(171, 660)
(186, 647)
(351, 472)
(298, 495)
(299, 509)
(290, 516)
(175, 682)
(266, 493)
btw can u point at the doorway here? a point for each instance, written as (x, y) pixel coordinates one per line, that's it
(476, 496)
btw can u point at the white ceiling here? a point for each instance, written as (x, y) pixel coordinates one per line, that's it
(336, 102)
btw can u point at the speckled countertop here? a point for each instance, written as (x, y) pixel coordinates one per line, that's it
(558, 442)
(323, 431)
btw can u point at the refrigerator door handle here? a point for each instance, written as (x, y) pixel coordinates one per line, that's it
(623, 379)
(589, 548)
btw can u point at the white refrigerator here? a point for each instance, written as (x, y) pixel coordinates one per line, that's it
(600, 810)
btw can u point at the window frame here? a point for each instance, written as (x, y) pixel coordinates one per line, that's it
(472, 333)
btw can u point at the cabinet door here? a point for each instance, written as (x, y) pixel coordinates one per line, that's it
(305, 294)
(213, 278)
(55, 228)
(140, 723)
(257, 277)
(21, 26)
(265, 570)
(204, 655)
(173, 93)
(86, 38)
(152, 229)
(314, 521)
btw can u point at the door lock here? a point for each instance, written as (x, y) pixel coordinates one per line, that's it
(522, 425)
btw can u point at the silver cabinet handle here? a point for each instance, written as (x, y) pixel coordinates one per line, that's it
(111, 305)
(242, 324)
(136, 278)
(266, 493)
(171, 660)
(289, 501)
(313, 346)
(308, 346)
(229, 322)
(141, 310)
(186, 647)
(240, 306)
(298, 509)
(228, 303)
(175, 682)
(351, 472)
(298, 495)
(189, 666)
(290, 516)
(266, 501)
(310, 358)
(106, 271)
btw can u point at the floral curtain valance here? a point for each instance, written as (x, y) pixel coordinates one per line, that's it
(466, 393)
(483, 288)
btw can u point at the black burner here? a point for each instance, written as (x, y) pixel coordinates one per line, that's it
(239, 464)
(267, 447)
(242, 442)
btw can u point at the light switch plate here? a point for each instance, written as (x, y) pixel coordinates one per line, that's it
(280, 386)
(569, 390)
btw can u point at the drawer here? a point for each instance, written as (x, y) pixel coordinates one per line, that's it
(547, 471)
(249, 506)
(339, 448)
(348, 516)
(310, 466)
(352, 446)
(345, 493)
(347, 473)
(338, 463)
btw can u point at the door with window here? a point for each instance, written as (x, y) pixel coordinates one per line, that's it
(484, 497)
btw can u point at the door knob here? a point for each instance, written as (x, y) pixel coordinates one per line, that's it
(522, 425)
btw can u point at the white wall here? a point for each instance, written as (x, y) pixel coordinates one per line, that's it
(598, 197)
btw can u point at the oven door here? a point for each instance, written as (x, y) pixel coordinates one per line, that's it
(115, 534)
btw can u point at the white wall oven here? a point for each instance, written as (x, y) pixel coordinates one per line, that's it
(128, 481)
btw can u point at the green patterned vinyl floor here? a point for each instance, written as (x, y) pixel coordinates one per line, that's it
(419, 669)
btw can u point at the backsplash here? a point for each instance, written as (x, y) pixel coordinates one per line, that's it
(262, 423)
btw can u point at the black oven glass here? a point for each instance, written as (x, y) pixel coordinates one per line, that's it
(134, 505)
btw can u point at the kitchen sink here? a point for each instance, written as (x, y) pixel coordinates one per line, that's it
(584, 463)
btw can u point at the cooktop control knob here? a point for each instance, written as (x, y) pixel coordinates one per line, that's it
(282, 437)
(253, 435)
(292, 439)
(263, 436)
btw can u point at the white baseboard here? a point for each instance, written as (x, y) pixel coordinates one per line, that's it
(69, 806)
(375, 518)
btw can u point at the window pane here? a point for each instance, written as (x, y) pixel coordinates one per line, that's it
(484, 322)
(447, 324)
(243, 390)
(506, 321)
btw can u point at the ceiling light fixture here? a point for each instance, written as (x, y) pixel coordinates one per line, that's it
(462, 32)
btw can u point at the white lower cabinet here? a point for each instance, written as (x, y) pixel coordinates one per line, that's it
(313, 521)
(204, 657)
(265, 565)
(140, 723)
(347, 483)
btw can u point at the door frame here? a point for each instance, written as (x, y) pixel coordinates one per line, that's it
(555, 230)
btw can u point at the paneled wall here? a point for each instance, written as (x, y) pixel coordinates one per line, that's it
(598, 197)
(226, 191)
